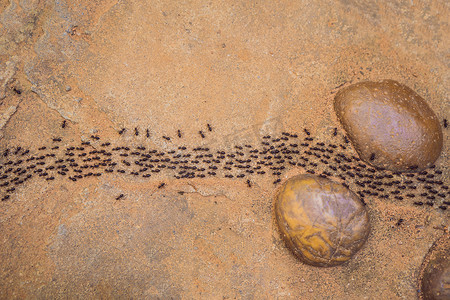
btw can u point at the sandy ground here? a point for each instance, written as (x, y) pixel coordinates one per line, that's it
(246, 68)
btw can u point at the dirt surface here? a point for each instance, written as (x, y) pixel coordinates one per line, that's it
(249, 70)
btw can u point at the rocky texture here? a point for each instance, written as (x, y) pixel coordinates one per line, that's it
(321, 221)
(248, 69)
(389, 125)
(434, 283)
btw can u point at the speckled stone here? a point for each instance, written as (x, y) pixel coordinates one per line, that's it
(321, 221)
(434, 283)
(389, 125)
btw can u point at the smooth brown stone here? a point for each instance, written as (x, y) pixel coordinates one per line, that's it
(434, 283)
(389, 125)
(321, 221)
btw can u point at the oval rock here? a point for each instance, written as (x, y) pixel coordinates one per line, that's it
(321, 221)
(434, 283)
(390, 125)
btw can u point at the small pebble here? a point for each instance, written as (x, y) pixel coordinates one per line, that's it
(390, 125)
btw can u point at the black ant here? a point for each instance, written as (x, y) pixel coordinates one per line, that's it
(209, 127)
(161, 185)
(346, 140)
(121, 131)
(201, 134)
(120, 196)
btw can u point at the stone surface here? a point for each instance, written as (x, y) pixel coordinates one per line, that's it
(248, 69)
(434, 283)
(390, 125)
(321, 221)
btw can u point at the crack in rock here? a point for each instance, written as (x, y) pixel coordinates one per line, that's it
(7, 71)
